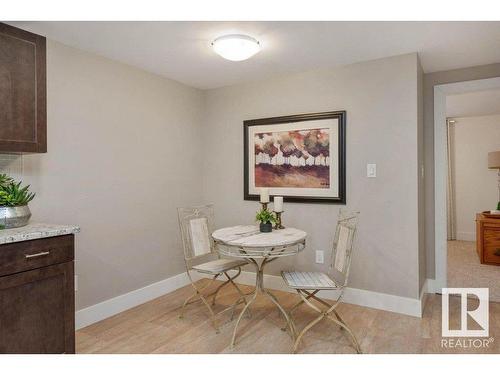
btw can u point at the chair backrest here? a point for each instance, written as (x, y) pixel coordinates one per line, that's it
(343, 242)
(197, 225)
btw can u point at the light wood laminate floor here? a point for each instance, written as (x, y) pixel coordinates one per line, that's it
(154, 327)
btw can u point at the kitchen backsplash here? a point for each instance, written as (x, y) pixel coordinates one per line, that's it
(12, 165)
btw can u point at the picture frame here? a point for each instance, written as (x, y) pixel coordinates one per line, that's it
(300, 157)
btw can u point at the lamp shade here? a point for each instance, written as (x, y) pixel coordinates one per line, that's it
(494, 160)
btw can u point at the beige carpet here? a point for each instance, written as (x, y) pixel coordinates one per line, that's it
(465, 270)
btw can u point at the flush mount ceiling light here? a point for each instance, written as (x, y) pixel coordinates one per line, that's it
(236, 47)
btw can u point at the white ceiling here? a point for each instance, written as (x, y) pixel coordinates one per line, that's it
(181, 50)
(480, 103)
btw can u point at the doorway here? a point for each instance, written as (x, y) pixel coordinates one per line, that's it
(466, 126)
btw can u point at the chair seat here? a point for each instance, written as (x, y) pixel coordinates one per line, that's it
(218, 266)
(308, 280)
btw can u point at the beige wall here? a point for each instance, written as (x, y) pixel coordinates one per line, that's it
(431, 80)
(380, 98)
(123, 153)
(475, 186)
(127, 147)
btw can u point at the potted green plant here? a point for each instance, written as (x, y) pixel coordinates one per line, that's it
(266, 219)
(14, 199)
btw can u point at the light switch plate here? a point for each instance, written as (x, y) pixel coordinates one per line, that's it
(371, 170)
(320, 256)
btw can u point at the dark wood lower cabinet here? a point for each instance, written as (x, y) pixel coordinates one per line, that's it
(37, 305)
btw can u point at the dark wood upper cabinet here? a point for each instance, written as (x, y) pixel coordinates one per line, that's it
(23, 91)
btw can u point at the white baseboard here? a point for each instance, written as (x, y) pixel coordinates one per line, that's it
(113, 306)
(381, 301)
(466, 236)
(434, 286)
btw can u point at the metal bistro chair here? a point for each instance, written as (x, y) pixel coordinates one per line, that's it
(308, 284)
(196, 224)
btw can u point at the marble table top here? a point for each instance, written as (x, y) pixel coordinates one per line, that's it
(250, 236)
(34, 231)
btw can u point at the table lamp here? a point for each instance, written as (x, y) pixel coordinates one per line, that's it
(494, 163)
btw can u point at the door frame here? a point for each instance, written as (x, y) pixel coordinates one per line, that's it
(440, 168)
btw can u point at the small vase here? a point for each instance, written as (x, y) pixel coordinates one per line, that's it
(266, 227)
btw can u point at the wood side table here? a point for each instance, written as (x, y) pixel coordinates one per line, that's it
(488, 239)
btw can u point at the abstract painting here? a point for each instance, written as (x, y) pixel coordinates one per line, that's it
(301, 157)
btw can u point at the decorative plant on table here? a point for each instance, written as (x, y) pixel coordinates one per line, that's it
(14, 199)
(266, 219)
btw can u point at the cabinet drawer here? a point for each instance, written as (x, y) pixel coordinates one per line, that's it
(27, 255)
(491, 252)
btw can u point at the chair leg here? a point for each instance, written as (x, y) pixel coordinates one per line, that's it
(212, 318)
(312, 295)
(344, 326)
(197, 292)
(181, 315)
(217, 291)
(242, 295)
(297, 305)
(305, 295)
(339, 318)
(312, 323)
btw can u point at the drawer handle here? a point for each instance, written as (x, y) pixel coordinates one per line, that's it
(42, 254)
(497, 252)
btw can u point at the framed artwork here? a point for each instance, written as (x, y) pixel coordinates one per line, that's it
(299, 157)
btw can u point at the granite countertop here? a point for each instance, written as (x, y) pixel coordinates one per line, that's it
(34, 231)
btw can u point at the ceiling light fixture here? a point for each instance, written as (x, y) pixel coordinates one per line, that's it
(236, 47)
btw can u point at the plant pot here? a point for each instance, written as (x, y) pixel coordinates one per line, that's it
(14, 217)
(266, 227)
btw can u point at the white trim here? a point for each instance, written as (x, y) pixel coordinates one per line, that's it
(440, 176)
(361, 297)
(440, 167)
(113, 306)
(432, 286)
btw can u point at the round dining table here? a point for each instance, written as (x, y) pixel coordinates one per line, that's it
(259, 249)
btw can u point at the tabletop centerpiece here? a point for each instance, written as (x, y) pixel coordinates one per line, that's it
(266, 219)
(14, 199)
